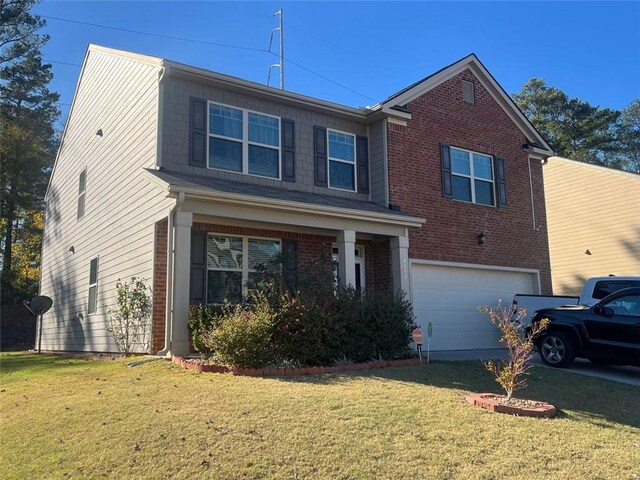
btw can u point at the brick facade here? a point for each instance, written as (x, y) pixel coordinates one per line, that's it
(451, 230)
(310, 249)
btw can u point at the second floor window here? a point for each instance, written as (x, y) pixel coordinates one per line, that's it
(342, 160)
(82, 187)
(243, 141)
(472, 177)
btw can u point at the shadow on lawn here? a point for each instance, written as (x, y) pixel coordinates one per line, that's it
(34, 363)
(577, 397)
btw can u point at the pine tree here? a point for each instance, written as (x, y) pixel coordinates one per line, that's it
(28, 141)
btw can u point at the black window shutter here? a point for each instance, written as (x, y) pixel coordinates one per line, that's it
(320, 156)
(445, 159)
(197, 132)
(288, 151)
(501, 184)
(197, 286)
(362, 159)
(290, 263)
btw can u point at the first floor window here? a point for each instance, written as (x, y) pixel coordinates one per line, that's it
(92, 303)
(234, 261)
(472, 177)
(342, 160)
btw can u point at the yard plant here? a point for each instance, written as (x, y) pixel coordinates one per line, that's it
(130, 322)
(511, 373)
(74, 418)
(313, 323)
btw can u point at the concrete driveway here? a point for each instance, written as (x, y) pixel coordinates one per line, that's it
(628, 375)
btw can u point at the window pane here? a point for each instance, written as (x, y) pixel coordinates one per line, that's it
(341, 146)
(81, 206)
(93, 271)
(261, 251)
(263, 161)
(225, 121)
(460, 162)
(461, 188)
(225, 154)
(482, 167)
(93, 299)
(82, 181)
(341, 175)
(264, 129)
(484, 192)
(224, 252)
(223, 286)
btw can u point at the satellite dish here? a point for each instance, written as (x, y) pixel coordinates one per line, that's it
(40, 304)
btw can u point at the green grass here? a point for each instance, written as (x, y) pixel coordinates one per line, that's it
(63, 418)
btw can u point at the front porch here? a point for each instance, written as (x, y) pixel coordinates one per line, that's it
(207, 249)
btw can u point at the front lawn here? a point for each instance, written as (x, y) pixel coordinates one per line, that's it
(72, 418)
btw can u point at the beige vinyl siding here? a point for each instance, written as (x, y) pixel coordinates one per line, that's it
(120, 97)
(590, 208)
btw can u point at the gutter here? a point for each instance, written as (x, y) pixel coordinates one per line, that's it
(168, 323)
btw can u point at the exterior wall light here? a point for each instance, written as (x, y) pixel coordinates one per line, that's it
(99, 132)
(482, 238)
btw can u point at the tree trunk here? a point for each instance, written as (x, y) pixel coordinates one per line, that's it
(7, 274)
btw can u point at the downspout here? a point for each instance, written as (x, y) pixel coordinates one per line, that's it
(161, 75)
(168, 322)
(533, 207)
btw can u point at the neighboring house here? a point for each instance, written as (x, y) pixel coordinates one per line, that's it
(593, 218)
(190, 178)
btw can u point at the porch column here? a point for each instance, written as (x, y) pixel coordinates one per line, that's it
(400, 264)
(182, 266)
(347, 257)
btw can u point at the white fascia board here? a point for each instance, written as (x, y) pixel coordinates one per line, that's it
(289, 206)
(66, 124)
(274, 94)
(285, 205)
(136, 57)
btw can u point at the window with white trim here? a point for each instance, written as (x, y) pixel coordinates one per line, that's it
(92, 303)
(472, 177)
(232, 262)
(244, 141)
(341, 155)
(82, 187)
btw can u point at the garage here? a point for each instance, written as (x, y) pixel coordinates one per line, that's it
(448, 296)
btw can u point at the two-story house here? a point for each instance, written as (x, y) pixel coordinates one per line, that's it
(190, 179)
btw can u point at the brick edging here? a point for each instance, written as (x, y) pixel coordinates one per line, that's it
(196, 366)
(485, 400)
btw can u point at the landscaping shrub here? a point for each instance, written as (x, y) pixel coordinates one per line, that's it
(315, 324)
(241, 336)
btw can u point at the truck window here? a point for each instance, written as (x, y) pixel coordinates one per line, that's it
(607, 287)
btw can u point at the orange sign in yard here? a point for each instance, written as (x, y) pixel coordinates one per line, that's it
(417, 335)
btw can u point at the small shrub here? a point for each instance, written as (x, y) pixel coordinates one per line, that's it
(130, 323)
(510, 374)
(242, 337)
(203, 318)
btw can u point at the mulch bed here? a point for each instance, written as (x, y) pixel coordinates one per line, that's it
(203, 366)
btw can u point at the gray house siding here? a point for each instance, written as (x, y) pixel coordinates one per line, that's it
(118, 96)
(175, 138)
(378, 163)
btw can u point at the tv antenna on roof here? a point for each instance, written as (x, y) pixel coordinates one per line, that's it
(280, 65)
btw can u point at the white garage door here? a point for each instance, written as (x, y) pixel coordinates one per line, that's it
(449, 296)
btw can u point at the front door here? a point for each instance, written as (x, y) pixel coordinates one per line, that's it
(358, 266)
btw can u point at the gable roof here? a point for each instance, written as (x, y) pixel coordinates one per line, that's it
(537, 144)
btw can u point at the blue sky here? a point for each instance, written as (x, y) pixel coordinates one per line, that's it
(590, 50)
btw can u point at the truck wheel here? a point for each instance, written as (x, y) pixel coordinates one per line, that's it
(557, 350)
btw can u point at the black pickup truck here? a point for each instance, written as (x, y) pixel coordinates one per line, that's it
(605, 333)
